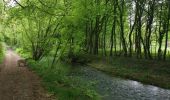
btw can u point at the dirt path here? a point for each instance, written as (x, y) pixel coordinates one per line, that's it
(18, 83)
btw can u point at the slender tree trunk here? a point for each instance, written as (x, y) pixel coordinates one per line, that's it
(123, 41)
(167, 30)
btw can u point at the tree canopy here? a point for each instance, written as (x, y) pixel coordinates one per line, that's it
(108, 27)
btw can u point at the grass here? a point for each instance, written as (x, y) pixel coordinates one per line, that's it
(2, 52)
(57, 81)
(152, 72)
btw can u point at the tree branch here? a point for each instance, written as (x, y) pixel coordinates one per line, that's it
(19, 4)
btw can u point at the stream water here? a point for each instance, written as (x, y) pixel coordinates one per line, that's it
(112, 88)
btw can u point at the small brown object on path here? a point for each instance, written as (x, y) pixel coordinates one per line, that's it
(21, 63)
(19, 83)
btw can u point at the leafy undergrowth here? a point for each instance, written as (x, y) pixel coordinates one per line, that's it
(147, 71)
(57, 81)
(22, 53)
(2, 52)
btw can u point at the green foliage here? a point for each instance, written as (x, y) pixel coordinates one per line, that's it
(23, 53)
(2, 52)
(90, 25)
(59, 83)
(64, 28)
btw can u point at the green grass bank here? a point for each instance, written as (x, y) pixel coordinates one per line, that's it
(151, 72)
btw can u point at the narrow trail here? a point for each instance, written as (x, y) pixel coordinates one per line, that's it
(18, 83)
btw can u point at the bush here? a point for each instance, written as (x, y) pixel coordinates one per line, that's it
(23, 53)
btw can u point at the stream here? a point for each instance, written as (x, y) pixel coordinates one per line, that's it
(112, 88)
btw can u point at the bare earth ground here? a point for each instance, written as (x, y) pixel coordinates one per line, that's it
(18, 83)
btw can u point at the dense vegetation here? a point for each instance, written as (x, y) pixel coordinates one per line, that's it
(2, 50)
(119, 27)
(67, 29)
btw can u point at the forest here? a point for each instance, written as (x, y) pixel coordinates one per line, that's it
(127, 39)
